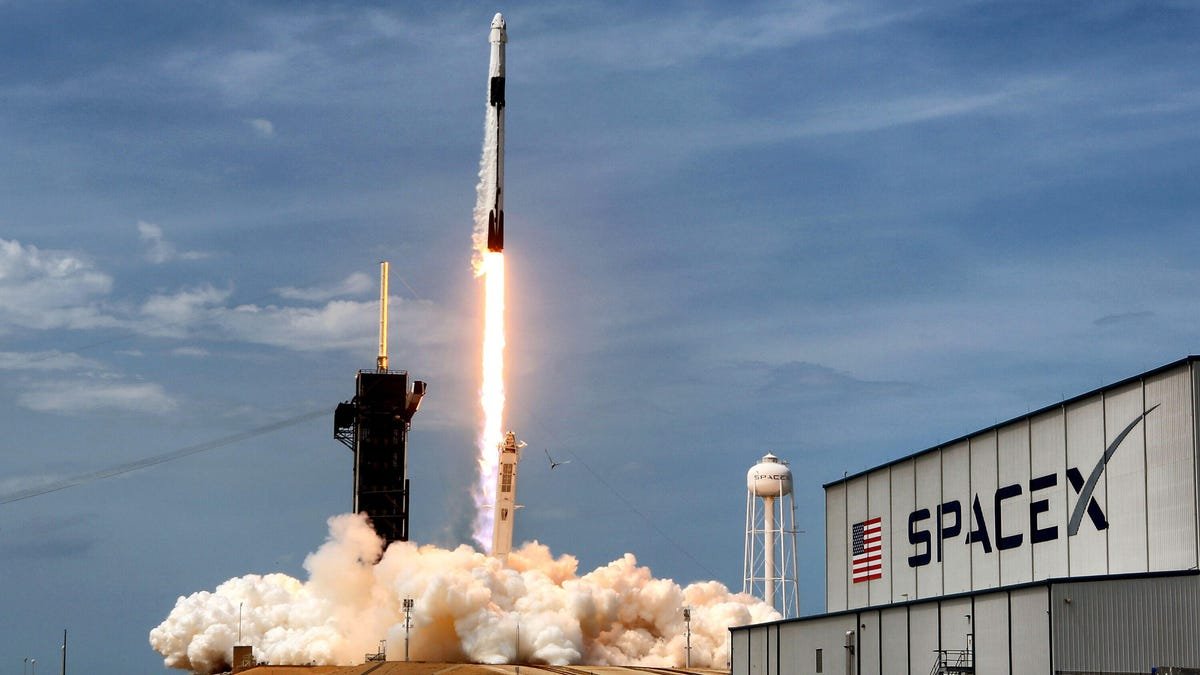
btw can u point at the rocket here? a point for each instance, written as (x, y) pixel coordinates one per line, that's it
(497, 38)
(506, 495)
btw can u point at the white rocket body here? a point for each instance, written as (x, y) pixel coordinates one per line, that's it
(495, 198)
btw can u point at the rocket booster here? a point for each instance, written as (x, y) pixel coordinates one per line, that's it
(497, 38)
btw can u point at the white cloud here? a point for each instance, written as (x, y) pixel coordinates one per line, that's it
(158, 249)
(75, 396)
(47, 360)
(337, 324)
(355, 284)
(170, 314)
(262, 126)
(193, 352)
(50, 289)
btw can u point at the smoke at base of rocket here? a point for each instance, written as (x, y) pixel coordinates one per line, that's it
(466, 609)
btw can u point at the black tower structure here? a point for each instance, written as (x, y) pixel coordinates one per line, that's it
(374, 425)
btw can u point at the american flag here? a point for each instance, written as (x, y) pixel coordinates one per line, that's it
(867, 550)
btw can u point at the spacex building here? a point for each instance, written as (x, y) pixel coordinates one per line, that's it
(1064, 541)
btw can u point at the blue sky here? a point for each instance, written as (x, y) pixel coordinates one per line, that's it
(840, 232)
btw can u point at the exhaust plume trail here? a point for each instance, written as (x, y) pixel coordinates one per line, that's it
(488, 261)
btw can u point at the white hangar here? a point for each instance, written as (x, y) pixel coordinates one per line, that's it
(1064, 541)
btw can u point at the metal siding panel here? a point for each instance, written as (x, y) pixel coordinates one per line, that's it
(1126, 624)
(795, 654)
(1170, 472)
(1126, 473)
(879, 500)
(894, 629)
(1048, 456)
(739, 645)
(985, 565)
(835, 548)
(1088, 549)
(956, 485)
(803, 639)
(856, 512)
(868, 643)
(1016, 564)
(904, 577)
(758, 651)
(1030, 631)
(956, 625)
(923, 637)
(929, 495)
(990, 627)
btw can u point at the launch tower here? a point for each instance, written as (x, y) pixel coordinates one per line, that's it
(374, 425)
(506, 495)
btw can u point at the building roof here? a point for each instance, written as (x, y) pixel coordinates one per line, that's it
(423, 668)
(1061, 404)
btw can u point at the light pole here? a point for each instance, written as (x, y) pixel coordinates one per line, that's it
(408, 605)
(25, 666)
(240, 622)
(687, 622)
(33, 666)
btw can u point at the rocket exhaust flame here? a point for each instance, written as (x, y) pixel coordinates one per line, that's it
(491, 397)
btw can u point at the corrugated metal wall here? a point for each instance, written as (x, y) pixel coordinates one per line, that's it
(903, 640)
(1126, 625)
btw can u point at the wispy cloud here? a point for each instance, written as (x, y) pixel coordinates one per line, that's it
(700, 32)
(73, 397)
(47, 360)
(42, 537)
(158, 249)
(262, 126)
(355, 284)
(1123, 318)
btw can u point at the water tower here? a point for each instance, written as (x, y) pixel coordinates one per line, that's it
(770, 563)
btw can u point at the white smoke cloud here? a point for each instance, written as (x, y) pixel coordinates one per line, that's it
(467, 609)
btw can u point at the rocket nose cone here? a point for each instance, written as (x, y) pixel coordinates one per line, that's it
(498, 20)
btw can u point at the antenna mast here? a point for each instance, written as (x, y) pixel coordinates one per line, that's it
(381, 363)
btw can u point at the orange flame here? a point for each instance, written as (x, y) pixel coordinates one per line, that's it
(491, 396)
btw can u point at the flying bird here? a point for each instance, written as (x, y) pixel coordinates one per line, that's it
(554, 464)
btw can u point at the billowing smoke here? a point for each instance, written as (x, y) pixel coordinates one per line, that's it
(467, 608)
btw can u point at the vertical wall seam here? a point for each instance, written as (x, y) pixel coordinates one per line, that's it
(1107, 503)
(1050, 624)
(1195, 459)
(1029, 463)
(907, 643)
(1066, 459)
(1008, 595)
(1145, 478)
(891, 549)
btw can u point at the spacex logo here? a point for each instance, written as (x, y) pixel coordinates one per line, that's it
(948, 522)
